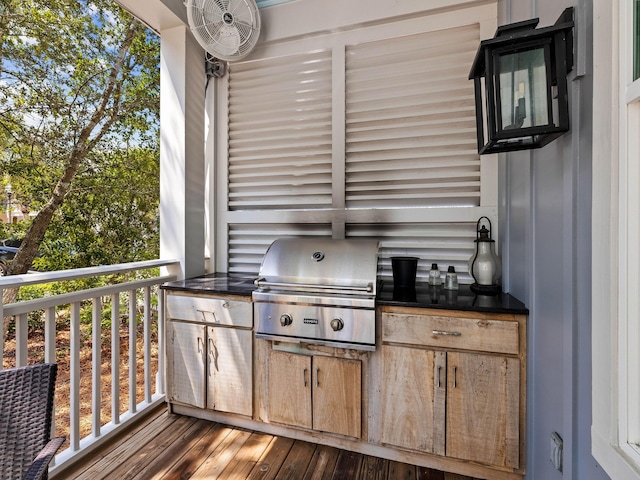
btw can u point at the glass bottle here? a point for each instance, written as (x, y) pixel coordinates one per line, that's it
(451, 279)
(434, 275)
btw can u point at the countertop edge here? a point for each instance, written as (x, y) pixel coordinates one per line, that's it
(424, 296)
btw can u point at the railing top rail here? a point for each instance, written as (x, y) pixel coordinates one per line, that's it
(80, 295)
(13, 281)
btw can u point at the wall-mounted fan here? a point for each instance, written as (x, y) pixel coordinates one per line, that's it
(227, 29)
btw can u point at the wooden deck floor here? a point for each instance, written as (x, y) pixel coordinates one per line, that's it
(169, 446)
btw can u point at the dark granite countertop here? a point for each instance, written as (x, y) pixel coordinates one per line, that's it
(425, 296)
(215, 283)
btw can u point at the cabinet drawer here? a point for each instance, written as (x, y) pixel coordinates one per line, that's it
(219, 311)
(480, 334)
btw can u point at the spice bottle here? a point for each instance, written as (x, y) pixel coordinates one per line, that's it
(434, 275)
(451, 279)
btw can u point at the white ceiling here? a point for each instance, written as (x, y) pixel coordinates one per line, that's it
(157, 14)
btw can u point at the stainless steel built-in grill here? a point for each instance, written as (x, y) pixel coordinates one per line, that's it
(318, 290)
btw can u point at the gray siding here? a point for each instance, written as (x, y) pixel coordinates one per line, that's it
(546, 222)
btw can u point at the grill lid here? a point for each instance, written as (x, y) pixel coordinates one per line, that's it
(348, 265)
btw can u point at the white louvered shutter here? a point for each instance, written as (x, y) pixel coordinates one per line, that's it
(372, 135)
(410, 129)
(280, 133)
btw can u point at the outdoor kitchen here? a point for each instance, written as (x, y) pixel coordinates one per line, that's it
(319, 347)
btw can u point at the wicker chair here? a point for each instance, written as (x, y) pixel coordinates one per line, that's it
(26, 407)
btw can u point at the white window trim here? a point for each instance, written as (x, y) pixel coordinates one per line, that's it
(616, 235)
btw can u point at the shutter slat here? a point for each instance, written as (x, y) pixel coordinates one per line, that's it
(444, 244)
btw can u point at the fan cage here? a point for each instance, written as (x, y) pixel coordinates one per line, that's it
(227, 29)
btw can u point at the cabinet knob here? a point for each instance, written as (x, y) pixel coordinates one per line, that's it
(286, 319)
(337, 324)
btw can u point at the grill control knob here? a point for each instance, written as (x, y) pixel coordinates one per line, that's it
(286, 320)
(337, 324)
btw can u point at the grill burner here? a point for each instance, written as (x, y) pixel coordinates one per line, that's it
(318, 290)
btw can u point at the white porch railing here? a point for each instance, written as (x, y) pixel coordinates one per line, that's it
(139, 295)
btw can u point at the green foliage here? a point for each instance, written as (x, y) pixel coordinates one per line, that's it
(57, 60)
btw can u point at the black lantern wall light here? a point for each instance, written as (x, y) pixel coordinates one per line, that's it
(521, 77)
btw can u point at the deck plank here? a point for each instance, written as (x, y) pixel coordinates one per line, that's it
(402, 471)
(322, 463)
(198, 453)
(272, 459)
(248, 456)
(424, 473)
(151, 450)
(348, 465)
(374, 468)
(222, 455)
(297, 461)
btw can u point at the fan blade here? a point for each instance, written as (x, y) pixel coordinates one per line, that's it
(246, 30)
(227, 40)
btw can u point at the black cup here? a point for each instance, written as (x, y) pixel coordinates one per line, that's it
(404, 272)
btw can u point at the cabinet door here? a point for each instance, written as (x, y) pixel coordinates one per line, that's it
(337, 396)
(229, 367)
(185, 363)
(289, 389)
(483, 395)
(413, 390)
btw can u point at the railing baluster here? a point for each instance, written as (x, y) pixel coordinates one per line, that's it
(74, 380)
(115, 358)
(147, 344)
(160, 385)
(132, 351)
(96, 365)
(50, 335)
(50, 357)
(22, 339)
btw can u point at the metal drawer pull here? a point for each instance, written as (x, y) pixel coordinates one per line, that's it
(204, 315)
(439, 369)
(444, 332)
(455, 377)
(317, 377)
(304, 376)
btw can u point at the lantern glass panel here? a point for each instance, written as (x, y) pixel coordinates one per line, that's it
(524, 95)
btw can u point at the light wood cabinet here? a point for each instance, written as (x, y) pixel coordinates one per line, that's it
(186, 363)
(209, 364)
(448, 387)
(483, 393)
(315, 392)
(229, 367)
(413, 398)
(289, 389)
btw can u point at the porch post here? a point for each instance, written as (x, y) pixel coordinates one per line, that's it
(182, 178)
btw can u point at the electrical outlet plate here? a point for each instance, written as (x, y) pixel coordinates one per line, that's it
(556, 451)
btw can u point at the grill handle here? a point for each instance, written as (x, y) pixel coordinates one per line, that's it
(261, 282)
